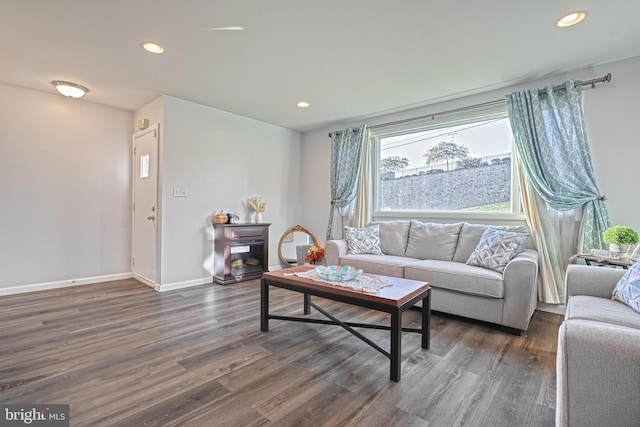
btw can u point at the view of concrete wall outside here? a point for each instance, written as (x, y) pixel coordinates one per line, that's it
(482, 188)
(460, 166)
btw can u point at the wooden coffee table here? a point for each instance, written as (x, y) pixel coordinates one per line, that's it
(395, 299)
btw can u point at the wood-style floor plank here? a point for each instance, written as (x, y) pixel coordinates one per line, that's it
(122, 354)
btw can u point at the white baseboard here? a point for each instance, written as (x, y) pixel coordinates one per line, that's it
(149, 283)
(63, 283)
(185, 284)
(551, 308)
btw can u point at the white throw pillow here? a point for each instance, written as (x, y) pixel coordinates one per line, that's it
(393, 236)
(496, 248)
(363, 240)
(628, 288)
(430, 240)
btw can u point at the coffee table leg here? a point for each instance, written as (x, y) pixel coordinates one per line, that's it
(426, 321)
(307, 307)
(396, 347)
(264, 306)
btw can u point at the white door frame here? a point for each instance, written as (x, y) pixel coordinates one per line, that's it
(158, 214)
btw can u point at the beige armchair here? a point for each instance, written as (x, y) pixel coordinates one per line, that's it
(598, 360)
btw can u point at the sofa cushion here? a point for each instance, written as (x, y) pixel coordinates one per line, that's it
(458, 277)
(363, 240)
(394, 236)
(585, 307)
(628, 288)
(429, 240)
(496, 248)
(470, 235)
(387, 265)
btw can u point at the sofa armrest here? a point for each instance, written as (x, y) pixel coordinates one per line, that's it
(598, 374)
(590, 280)
(335, 250)
(520, 290)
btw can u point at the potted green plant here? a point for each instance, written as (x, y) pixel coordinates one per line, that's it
(621, 238)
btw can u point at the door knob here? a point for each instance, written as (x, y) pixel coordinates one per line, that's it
(151, 217)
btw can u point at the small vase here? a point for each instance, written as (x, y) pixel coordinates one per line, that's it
(258, 217)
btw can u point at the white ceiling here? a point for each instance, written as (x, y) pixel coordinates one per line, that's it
(349, 58)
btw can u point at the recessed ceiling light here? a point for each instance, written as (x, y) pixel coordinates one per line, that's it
(571, 19)
(152, 47)
(72, 90)
(230, 28)
(303, 104)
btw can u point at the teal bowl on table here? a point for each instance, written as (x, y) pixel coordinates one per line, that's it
(338, 273)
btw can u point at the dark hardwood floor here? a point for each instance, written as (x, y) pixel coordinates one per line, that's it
(122, 354)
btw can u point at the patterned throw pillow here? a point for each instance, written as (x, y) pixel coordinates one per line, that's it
(496, 248)
(628, 288)
(363, 240)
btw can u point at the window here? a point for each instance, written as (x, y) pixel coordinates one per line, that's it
(463, 167)
(144, 166)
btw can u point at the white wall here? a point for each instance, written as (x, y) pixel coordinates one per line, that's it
(65, 190)
(220, 159)
(316, 156)
(153, 111)
(65, 172)
(611, 114)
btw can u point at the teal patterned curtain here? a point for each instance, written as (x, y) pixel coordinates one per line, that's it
(346, 159)
(551, 140)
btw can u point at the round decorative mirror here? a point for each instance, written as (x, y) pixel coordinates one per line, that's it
(294, 244)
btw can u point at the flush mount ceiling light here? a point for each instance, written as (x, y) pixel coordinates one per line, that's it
(152, 47)
(571, 19)
(72, 90)
(303, 104)
(230, 28)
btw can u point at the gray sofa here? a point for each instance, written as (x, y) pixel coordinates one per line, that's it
(437, 253)
(598, 359)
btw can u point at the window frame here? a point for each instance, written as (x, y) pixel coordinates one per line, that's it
(377, 135)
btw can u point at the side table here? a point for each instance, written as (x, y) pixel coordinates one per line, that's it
(619, 262)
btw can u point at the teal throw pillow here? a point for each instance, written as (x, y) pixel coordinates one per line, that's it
(628, 288)
(363, 240)
(496, 248)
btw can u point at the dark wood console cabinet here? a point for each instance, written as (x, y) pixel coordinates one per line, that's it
(241, 252)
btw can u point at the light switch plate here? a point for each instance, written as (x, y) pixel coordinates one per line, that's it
(179, 192)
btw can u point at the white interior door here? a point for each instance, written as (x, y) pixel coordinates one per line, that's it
(145, 205)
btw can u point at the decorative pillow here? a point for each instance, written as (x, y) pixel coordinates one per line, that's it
(393, 236)
(363, 240)
(470, 236)
(628, 288)
(496, 248)
(429, 240)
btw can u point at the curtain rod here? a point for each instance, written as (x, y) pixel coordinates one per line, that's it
(592, 83)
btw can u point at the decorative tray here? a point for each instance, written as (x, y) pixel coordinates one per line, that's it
(338, 273)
